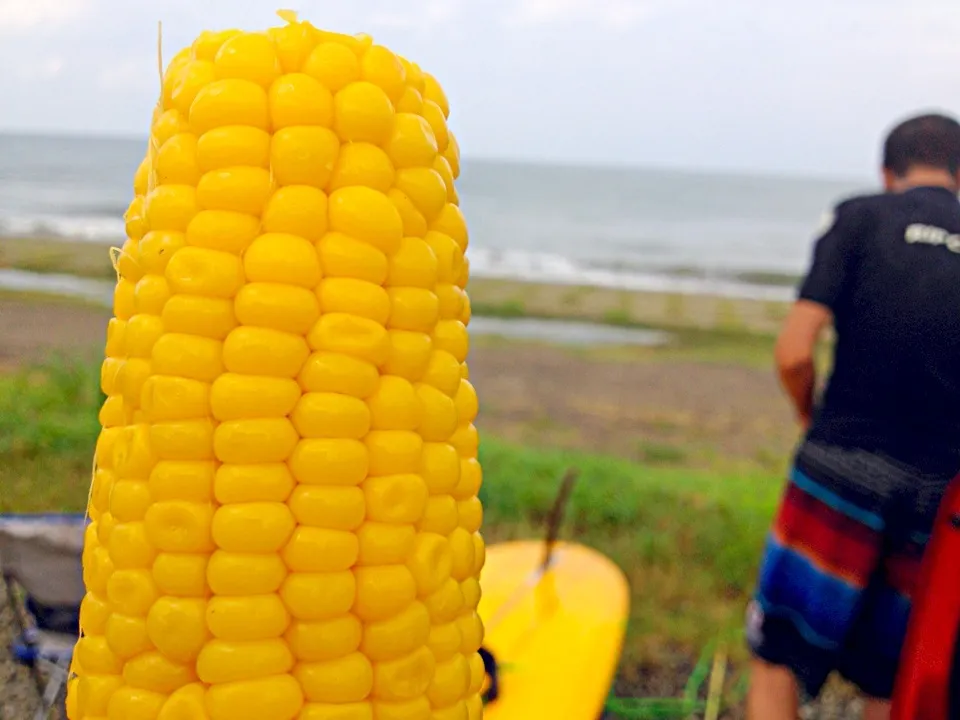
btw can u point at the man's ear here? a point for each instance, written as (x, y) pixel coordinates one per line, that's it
(889, 180)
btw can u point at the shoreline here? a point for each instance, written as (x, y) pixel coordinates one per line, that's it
(84, 270)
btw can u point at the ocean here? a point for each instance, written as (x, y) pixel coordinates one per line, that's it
(632, 228)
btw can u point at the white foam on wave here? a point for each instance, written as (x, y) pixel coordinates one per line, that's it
(84, 228)
(558, 270)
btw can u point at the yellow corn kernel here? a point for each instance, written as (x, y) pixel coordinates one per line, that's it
(284, 505)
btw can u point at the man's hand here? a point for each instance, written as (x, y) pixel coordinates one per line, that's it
(794, 355)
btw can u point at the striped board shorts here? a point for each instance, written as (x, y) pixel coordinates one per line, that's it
(840, 565)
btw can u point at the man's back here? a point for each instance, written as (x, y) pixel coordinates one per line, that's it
(890, 271)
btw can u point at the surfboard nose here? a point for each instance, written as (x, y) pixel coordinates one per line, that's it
(556, 636)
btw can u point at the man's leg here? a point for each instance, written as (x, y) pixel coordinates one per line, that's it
(773, 693)
(821, 553)
(773, 696)
(876, 709)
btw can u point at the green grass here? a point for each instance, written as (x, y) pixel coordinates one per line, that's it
(48, 428)
(618, 316)
(656, 453)
(42, 255)
(505, 309)
(760, 277)
(687, 540)
(39, 297)
(769, 278)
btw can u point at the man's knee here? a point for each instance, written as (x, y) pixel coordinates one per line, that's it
(875, 709)
(773, 692)
(768, 673)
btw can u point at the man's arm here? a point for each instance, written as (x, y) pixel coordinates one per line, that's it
(795, 351)
(831, 271)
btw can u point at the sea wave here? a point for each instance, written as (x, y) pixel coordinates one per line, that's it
(83, 228)
(559, 270)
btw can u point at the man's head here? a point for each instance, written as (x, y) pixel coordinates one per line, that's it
(924, 150)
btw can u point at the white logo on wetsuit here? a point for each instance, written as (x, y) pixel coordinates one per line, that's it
(918, 234)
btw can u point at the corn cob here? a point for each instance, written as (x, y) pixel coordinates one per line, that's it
(284, 506)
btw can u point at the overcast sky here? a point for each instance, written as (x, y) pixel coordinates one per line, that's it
(755, 85)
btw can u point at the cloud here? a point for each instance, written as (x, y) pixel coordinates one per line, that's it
(617, 14)
(19, 15)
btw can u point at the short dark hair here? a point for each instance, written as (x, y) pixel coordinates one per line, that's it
(932, 140)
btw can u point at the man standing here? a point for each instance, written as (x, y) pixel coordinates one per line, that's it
(883, 442)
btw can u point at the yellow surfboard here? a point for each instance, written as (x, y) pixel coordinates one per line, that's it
(554, 632)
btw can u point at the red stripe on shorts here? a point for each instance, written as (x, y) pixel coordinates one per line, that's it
(831, 540)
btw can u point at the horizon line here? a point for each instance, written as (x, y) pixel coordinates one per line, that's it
(553, 162)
